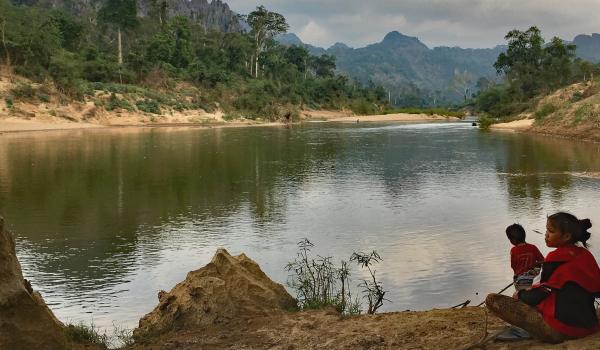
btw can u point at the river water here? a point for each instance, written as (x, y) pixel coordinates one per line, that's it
(106, 219)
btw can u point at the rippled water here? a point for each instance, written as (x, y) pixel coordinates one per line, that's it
(105, 219)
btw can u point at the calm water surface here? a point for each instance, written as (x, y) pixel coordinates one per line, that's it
(106, 219)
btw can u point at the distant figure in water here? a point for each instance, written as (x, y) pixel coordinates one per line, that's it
(525, 258)
(561, 306)
(357, 121)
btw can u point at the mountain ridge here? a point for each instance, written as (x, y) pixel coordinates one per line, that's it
(415, 74)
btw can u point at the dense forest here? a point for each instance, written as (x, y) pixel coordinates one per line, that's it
(172, 62)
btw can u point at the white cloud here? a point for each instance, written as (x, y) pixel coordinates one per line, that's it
(466, 23)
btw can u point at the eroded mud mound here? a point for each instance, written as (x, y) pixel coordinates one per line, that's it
(228, 288)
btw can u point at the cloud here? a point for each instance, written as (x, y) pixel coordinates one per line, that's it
(466, 23)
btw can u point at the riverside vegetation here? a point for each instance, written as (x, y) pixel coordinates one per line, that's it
(159, 64)
(319, 283)
(535, 73)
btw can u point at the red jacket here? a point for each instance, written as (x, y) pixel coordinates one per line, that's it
(571, 281)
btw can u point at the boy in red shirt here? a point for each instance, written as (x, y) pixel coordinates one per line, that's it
(525, 258)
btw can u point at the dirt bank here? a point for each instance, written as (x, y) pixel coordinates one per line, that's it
(435, 329)
(232, 304)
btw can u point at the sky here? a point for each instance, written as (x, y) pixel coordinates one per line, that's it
(465, 23)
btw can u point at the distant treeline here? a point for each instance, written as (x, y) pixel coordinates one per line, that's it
(246, 73)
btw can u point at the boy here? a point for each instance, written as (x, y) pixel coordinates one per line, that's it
(525, 258)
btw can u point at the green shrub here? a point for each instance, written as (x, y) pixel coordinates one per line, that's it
(231, 116)
(486, 122)
(362, 106)
(115, 102)
(583, 112)
(23, 91)
(43, 97)
(544, 111)
(148, 106)
(577, 96)
(9, 102)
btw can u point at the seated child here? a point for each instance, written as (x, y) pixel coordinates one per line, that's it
(525, 258)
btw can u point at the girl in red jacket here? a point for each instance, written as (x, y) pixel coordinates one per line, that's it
(561, 306)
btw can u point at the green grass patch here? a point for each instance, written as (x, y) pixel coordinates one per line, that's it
(148, 106)
(115, 102)
(23, 91)
(544, 111)
(231, 116)
(81, 333)
(585, 111)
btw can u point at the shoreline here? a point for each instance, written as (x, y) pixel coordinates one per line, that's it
(13, 125)
(526, 126)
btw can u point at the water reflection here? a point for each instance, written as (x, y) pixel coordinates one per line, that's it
(106, 219)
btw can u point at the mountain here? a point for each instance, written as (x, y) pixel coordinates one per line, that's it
(215, 15)
(411, 71)
(588, 47)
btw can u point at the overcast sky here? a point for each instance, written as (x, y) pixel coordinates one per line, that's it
(466, 23)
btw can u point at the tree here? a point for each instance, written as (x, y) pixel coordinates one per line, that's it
(522, 61)
(123, 15)
(557, 63)
(462, 82)
(265, 25)
(299, 57)
(323, 66)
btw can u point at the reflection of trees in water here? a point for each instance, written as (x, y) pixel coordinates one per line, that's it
(532, 167)
(92, 193)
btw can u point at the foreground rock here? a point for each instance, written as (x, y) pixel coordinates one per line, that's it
(229, 288)
(25, 320)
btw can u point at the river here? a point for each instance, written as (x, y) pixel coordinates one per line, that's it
(105, 219)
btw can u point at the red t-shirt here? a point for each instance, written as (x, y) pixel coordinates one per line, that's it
(524, 257)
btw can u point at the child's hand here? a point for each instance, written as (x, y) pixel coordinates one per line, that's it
(516, 295)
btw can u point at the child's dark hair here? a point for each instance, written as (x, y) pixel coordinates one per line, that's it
(515, 234)
(578, 229)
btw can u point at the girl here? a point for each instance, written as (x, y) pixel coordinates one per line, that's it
(561, 306)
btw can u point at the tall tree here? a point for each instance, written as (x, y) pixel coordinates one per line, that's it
(522, 61)
(558, 60)
(123, 15)
(265, 25)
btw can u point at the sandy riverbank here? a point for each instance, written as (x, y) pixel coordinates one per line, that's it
(516, 125)
(348, 117)
(328, 330)
(15, 124)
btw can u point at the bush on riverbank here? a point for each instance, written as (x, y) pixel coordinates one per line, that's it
(319, 283)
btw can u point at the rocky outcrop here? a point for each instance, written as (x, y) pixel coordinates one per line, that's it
(25, 321)
(213, 15)
(228, 288)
